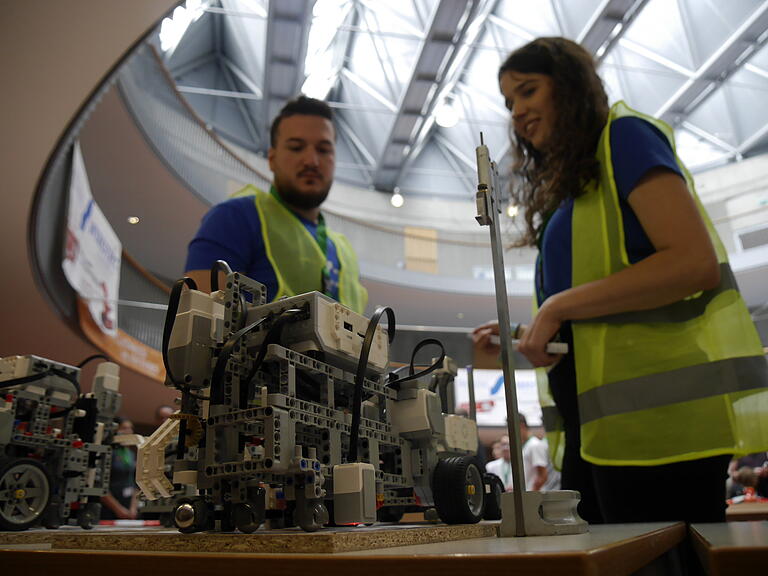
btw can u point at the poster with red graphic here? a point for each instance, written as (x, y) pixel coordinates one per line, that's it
(490, 399)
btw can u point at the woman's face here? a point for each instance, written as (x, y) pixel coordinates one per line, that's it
(530, 98)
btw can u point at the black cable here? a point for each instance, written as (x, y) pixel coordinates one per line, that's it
(40, 375)
(93, 357)
(219, 265)
(272, 337)
(432, 368)
(362, 365)
(72, 378)
(170, 319)
(217, 389)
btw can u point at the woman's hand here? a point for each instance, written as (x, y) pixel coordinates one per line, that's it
(534, 340)
(481, 337)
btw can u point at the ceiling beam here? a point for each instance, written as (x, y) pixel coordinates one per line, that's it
(733, 54)
(607, 24)
(287, 35)
(447, 30)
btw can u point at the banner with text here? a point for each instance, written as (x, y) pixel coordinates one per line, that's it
(92, 251)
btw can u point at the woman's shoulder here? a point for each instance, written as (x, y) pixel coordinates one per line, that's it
(636, 130)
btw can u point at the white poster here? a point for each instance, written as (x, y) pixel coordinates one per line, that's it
(93, 251)
(490, 399)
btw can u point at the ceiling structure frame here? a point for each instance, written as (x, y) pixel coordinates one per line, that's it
(608, 24)
(358, 149)
(467, 30)
(453, 75)
(250, 125)
(712, 138)
(379, 46)
(184, 69)
(398, 143)
(723, 63)
(448, 24)
(354, 15)
(370, 90)
(284, 64)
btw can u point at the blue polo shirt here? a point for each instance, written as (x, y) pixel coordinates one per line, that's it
(231, 231)
(637, 147)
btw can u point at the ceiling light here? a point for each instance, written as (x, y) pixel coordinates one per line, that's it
(512, 210)
(397, 199)
(133, 219)
(446, 115)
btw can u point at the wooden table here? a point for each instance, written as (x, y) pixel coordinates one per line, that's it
(747, 511)
(732, 547)
(613, 550)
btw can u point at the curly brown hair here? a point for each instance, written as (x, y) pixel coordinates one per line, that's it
(582, 111)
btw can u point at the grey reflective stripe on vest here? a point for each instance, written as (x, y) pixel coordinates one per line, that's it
(677, 311)
(681, 385)
(551, 419)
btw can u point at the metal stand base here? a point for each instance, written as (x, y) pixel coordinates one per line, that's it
(544, 513)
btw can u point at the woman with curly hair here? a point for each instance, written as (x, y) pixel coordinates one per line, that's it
(665, 377)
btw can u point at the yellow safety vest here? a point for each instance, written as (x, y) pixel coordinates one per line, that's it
(292, 251)
(681, 382)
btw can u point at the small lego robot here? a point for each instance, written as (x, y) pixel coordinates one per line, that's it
(55, 456)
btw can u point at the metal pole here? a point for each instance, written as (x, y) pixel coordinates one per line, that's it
(488, 204)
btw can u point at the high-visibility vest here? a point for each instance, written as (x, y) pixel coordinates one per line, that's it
(297, 259)
(680, 382)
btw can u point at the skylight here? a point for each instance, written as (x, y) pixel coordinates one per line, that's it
(173, 28)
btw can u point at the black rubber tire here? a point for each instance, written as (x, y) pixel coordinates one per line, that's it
(246, 517)
(391, 514)
(457, 485)
(314, 517)
(51, 518)
(494, 490)
(200, 518)
(23, 479)
(89, 515)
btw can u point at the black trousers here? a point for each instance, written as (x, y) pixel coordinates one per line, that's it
(692, 491)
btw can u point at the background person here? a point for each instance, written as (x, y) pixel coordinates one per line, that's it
(632, 275)
(122, 500)
(539, 472)
(502, 465)
(279, 238)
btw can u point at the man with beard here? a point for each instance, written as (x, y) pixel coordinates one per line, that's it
(279, 238)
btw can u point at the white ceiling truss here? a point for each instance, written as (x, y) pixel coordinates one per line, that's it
(388, 67)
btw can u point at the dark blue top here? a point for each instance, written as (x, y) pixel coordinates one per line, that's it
(231, 231)
(637, 147)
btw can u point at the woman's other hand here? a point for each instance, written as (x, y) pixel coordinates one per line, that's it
(481, 337)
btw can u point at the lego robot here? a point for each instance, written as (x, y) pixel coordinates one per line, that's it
(55, 458)
(289, 413)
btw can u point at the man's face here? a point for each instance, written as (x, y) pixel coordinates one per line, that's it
(303, 160)
(125, 427)
(505, 452)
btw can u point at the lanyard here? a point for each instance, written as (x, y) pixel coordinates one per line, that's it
(321, 238)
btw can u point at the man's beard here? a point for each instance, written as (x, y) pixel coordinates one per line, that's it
(298, 199)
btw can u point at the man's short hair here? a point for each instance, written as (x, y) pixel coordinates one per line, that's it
(303, 105)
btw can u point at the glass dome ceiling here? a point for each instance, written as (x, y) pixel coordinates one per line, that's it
(413, 83)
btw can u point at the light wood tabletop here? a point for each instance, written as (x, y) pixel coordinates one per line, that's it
(613, 550)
